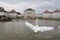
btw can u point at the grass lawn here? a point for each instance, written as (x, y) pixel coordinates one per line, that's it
(40, 18)
(56, 19)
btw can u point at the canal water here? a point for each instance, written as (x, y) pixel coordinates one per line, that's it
(17, 30)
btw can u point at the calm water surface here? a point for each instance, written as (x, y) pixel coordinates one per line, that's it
(16, 30)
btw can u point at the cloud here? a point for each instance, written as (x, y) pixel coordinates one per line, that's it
(21, 5)
(47, 3)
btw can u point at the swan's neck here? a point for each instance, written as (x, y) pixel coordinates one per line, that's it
(36, 21)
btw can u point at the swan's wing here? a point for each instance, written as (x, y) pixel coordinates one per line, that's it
(42, 29)
(29, 25)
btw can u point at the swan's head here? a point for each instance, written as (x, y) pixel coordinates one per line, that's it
(36, 31)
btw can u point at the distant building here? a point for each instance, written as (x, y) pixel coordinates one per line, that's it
(29, 13)
(12, 14)
(19, 15)
(56, 14)
(46, 14)
(38, 15)
(2, 13)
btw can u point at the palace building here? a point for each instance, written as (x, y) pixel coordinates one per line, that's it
(56, 13)
(46, 14)
(29, 13)
(12, 14)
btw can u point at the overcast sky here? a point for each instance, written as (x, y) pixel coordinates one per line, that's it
(38, 5)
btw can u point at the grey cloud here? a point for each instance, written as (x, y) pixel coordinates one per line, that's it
(38, 2)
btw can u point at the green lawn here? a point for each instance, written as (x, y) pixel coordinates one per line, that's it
(56, 19)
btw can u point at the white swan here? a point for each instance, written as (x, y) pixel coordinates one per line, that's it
(36, 28)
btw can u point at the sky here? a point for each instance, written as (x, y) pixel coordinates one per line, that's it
(38, 5)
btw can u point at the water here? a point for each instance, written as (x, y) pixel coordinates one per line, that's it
(16, 30)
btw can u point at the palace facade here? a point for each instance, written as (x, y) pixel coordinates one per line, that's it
(29, 13)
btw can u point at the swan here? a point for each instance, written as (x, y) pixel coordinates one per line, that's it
(36, 28)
